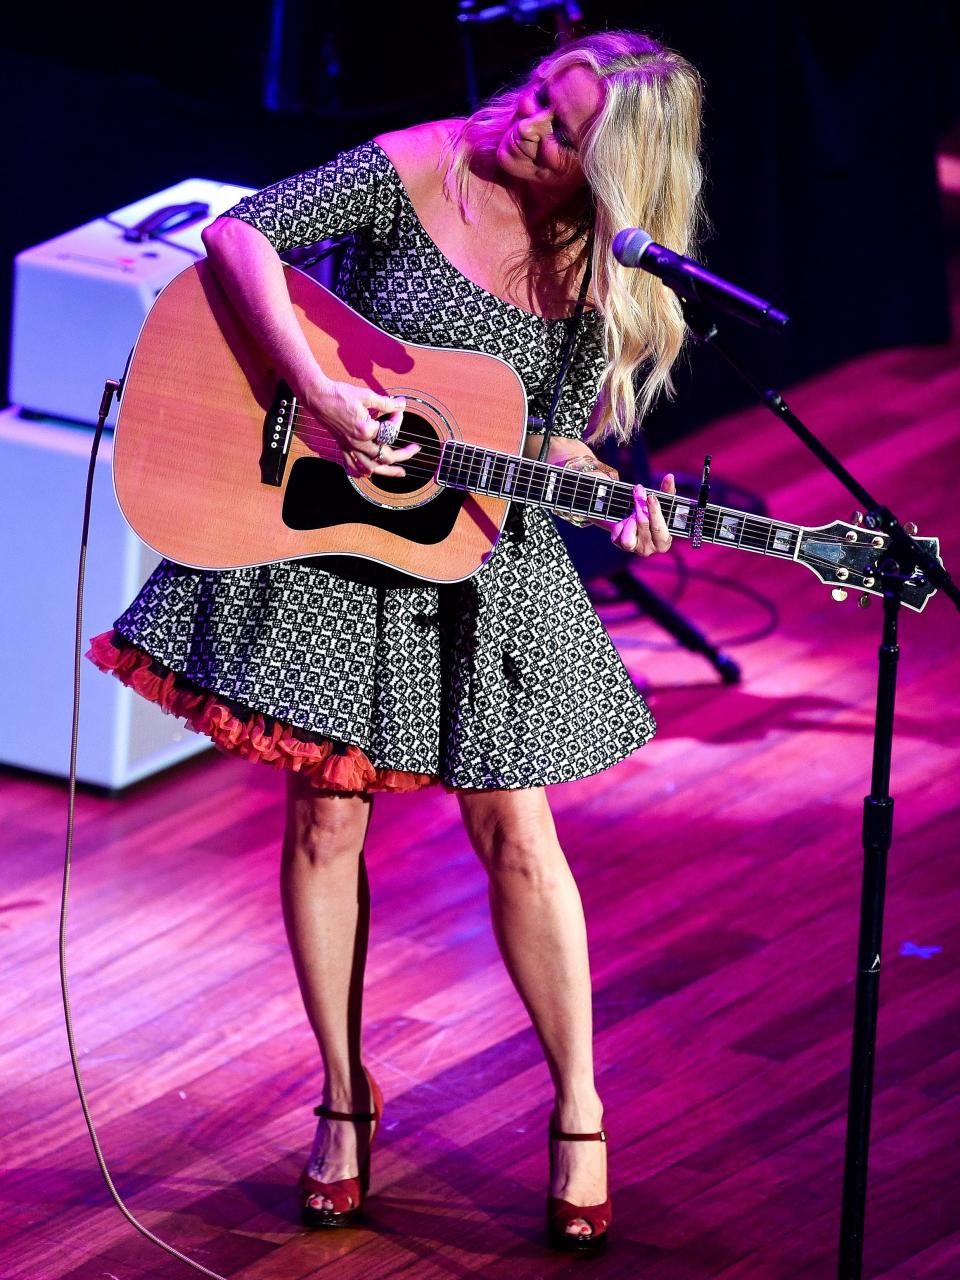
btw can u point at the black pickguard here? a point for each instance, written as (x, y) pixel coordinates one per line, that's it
(319, 495)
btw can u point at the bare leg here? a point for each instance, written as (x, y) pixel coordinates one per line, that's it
(326, 910)
(539, 925)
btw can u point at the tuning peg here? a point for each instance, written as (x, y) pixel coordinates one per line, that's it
(857, 517)
(839, 594)
(910, 528)
(864, 601)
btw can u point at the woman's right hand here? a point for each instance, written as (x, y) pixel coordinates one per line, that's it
(252, 274)
(353, 414)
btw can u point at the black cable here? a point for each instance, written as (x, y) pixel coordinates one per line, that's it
(110, 389)
(566, 352)
(171, 244)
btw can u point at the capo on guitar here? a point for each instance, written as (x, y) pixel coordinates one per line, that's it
(700, 510)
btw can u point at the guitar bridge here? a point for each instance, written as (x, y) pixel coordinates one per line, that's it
(277, 434)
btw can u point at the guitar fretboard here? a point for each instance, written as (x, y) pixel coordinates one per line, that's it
(593, 495)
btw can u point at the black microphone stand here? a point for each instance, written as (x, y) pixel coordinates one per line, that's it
(904, 558)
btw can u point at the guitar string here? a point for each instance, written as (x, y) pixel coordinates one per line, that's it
(619, 506)
(710, 529)
(713, 512)
(411, 468)
(431, 453)
(435, 454)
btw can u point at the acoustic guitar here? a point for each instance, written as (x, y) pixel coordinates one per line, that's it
(217, 465)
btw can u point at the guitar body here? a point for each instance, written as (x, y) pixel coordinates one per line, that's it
(215, 466)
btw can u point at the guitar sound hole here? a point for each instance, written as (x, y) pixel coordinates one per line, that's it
(414, 430)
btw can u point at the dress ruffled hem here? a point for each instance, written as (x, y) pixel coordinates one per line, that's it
(327, 765)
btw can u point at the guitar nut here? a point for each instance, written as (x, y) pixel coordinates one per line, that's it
(843, 574)
(876, 541)
(851, 536)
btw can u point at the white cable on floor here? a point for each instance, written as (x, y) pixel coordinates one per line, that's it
(109, 391)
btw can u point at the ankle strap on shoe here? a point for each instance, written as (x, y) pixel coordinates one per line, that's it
(328, 1113)
(578, 1137)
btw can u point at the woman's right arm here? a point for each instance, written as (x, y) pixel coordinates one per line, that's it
(252, 275)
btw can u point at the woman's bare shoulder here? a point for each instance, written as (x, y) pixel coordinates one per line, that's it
(417, 154)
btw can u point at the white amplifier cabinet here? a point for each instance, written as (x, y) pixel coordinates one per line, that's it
(123, 738)
(79, 300)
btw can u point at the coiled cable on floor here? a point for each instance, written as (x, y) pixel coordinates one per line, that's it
(109, 390)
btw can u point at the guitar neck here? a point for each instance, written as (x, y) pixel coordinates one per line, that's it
(594, 496)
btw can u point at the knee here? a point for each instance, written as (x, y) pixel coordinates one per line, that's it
(520, 855)
(320, 847)
(324, 833)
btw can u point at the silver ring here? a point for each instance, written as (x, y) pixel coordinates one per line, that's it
(380, 453)
(387, 433)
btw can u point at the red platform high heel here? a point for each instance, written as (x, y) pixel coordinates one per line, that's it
(348, 1194)
(560, 1213)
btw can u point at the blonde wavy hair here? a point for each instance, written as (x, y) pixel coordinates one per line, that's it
(640, 157)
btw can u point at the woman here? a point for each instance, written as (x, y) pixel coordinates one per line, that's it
(473, 233)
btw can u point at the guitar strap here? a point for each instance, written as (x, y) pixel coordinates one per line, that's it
(566, 352)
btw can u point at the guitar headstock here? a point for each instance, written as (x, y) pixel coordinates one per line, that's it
(846, 556)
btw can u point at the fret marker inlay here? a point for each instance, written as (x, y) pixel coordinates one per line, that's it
(681, 516)
(782, 539)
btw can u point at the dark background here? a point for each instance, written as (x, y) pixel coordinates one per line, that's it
(821, 131)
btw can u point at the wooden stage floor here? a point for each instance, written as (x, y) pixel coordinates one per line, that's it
(720, 867)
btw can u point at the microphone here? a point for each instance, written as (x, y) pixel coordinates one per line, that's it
(686, 277)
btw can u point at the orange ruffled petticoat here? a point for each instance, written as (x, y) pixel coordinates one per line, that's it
(327, 765)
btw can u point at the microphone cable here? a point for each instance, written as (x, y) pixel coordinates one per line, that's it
(110, 389)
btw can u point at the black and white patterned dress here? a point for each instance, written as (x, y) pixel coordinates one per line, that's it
(505, 680)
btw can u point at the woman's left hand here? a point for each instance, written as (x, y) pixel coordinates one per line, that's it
(645, 531)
